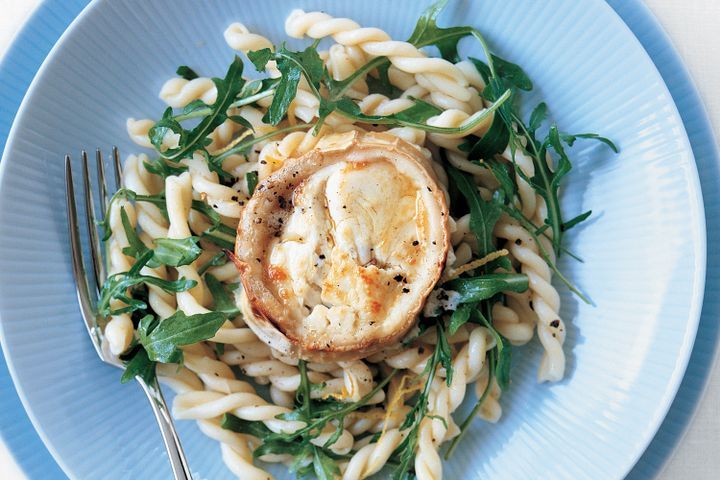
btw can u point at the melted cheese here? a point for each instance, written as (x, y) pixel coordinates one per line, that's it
(356, 253)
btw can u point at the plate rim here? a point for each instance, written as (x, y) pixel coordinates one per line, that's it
(696, 201)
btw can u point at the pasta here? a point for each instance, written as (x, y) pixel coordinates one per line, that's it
(171, 229)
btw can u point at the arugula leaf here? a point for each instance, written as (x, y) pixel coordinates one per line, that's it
(167, 125)
(292, 65)
(217, 260)
(136, 248)
(493, 142)
(223, 300)
(405, 452)
(324, 467)
(168, 251)
(570, 140)
(444, 354)
(512, 74)
(486, 286)
(460, 317)
(116, 286)
(236, 424)
(483, 215)
(537, 117)
(502, 369)
(382, 84)
(164, 168)
(139, 365)
(186, 72)
(503, 351)
(175, 252)
(252, 180)
(197, 139)
(279, 447)
(260, 58)
(177, 330)
(445, 39)
(576, 220)
(416, 116)
(508, 186)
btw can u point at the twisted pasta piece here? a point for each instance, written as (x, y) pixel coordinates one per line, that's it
(377, 104)
(226, 201)
(439, 73)
(545, 298)
(372, 457)
(239, 38)
(428, 465)
(138, 131)
(342, 62)
(249, 406)
(178, 92)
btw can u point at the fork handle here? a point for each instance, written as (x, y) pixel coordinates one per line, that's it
(178, 462)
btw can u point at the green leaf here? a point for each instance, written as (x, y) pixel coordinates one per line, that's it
(493, 142)
(115, 287)
(292, 66)
(175, 252)
(502, 369)
(382, 84)
(444, 353)
(512, 74)
(252, 180)
(167, 125)
(574, 221)
(417, 115)
(260, 58)
(217, 260)
(508, 186)
(197, 139)
(224, 301)
(570, 140)
(279, 447)
(460, 317)
(537, 117)
(196, 106)
(480, 288)
(186, 72)
(164, 168)
(236, 424)
(503, 350)
(483, 215)
(219, 241)
(139, 366)
(136, 248)
(324, 467)
(178, 330)
(427, 33)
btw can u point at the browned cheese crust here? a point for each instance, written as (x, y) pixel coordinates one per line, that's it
(339, 248)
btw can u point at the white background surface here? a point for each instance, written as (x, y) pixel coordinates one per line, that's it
(694, 26)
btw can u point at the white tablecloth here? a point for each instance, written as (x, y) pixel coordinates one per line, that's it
(694, 26)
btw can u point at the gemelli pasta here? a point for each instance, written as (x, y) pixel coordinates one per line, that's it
(203, 243)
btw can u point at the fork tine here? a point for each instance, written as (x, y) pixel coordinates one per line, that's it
(78, 267)
(101, 180)
(95, 247)
(118, 168)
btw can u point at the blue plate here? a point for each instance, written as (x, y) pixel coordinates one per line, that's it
(708, 158)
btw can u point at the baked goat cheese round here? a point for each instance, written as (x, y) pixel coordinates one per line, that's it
(338, 249)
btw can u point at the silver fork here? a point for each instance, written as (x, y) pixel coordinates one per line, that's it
(88, 292)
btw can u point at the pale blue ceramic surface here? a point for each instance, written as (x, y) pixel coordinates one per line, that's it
(527, 421)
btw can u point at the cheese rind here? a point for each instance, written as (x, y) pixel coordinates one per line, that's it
(339, 248)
